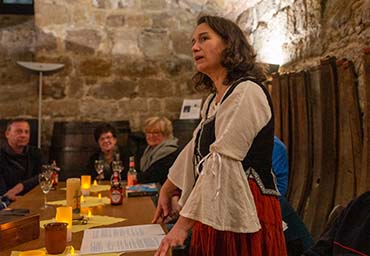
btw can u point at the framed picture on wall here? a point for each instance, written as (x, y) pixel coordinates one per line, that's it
(21, 7)
(190, 109)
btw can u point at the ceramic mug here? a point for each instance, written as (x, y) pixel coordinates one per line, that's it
(55, 237)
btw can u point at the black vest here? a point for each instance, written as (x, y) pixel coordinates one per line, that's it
(258, 160)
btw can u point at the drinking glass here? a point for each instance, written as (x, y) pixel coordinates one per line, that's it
(117, 166)
(99, 167)
(45, 181)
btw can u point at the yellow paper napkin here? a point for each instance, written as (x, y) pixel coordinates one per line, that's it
(99, 188)
(96, 188)
(94, 221)
(89, 201)
(66, 252)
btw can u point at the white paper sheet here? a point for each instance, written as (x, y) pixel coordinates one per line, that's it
(122, 239)
(191, 109)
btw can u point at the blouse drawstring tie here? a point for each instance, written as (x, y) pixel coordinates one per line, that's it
(214, 173)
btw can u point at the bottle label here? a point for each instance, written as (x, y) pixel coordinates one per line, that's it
(116, 197)
(54, 180)
(131, 179)
(76, 207)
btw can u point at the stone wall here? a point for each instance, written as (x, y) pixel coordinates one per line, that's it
(18, 94)
(130, 59)
(297, 33)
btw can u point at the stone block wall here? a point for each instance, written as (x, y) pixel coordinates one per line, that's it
(130, 59)
(124, 60)
(298, 33)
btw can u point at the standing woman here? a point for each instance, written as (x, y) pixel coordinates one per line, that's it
(229, 196)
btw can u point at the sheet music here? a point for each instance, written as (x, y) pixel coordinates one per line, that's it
(122, 239)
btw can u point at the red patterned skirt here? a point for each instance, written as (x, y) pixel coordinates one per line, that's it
(268, 241)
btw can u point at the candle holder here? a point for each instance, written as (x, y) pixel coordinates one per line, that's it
(64, 214)
(85, 185)
(73, 196)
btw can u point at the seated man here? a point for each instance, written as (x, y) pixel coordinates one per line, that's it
(297, 237)
(20, 163)
(349, 233)
(161, 151)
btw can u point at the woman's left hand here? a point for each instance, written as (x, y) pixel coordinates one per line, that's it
(175, 210)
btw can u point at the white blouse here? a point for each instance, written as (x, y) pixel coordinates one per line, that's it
(221, 196)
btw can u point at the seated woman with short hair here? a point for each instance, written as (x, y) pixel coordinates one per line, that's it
(106, 137)
(161, 151)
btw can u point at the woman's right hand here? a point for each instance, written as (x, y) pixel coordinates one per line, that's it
(176, 236)
(164, 206)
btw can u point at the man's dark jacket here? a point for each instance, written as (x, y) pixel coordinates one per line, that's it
(19, 168)
(350, 232)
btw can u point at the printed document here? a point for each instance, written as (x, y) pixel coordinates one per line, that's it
(122, 239)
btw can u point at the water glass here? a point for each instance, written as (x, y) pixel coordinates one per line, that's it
(45, 181)
(99, 168)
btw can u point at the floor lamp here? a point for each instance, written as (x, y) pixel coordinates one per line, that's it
(40, 68)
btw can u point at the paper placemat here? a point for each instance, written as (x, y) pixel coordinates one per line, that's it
(94, 221)
(66, 252)
(96, 188)
(89, 201)
(99, 188)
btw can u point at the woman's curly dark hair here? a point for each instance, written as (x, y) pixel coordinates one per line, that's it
(104, 128)
(239, 57)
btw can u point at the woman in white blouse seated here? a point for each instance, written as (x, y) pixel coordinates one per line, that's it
(229, 197)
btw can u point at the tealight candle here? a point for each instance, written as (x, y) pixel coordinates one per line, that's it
(64, 214)
(85, 184)
(89, 214)
(95, 183)
(72, 251)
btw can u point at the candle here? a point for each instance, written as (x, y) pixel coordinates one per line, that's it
(64, 214)
(72, 251)
(73, 195)
(95, 183)
(99, 196)
(82, 198)
(85, 184)
(89, 214)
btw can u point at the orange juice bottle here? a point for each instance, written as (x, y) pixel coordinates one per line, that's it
(132, 173)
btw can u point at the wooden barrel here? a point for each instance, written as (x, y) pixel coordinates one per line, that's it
(285, 111)
(276, 98)
(183, 130)
(136, 146)
(349, 134)
(73, 143)
(324, 126)
(364, 184)
(33, 130)
(300, 174)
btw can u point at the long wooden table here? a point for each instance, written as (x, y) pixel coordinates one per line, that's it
(137, 211)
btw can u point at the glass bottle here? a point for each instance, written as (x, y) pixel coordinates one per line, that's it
(132, 174)
(116, 191)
